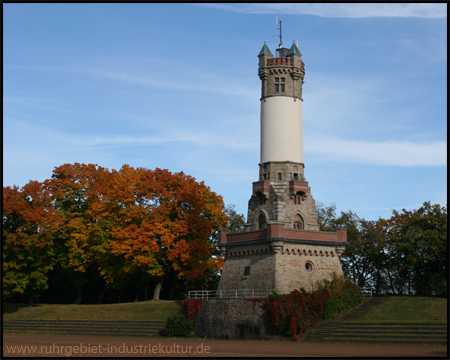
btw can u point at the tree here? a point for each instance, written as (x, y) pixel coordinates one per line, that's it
(417, 247)
(237, 221)
(29, 226)
(82, 241)
(326, 216)
(406, 254)
(132, 226)
(164, 222)
(363, 259)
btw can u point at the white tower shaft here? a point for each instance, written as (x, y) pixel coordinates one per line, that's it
(281, 129)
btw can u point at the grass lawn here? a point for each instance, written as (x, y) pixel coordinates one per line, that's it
(135, 311)
(395, 308)
(409, 308)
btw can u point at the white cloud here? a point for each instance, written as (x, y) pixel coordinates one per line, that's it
(348, 10)
(394, 153)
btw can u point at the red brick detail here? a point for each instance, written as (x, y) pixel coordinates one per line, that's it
(278, 231)
(279, 61)
(223, 233)
(296, 185)
(261, 186)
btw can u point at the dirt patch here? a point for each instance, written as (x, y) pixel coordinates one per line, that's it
(44, 345)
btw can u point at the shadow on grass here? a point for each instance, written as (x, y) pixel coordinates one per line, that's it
(13, 308)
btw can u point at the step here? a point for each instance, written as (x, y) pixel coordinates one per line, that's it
(87, 327)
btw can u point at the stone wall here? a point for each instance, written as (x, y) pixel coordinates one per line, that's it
(231, 319)
(262, 270)
(302, 266)
(280, 259)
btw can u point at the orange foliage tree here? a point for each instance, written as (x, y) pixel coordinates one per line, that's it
(83, 236)
(136, 222)
(29, 226)
(163, 222)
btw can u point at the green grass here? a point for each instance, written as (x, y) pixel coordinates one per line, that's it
(144, 311)
(400, 308)
(408, 308)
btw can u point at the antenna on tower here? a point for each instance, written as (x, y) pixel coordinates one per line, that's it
(278, 22)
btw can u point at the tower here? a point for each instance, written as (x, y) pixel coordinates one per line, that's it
(282, 193)
(281, 247)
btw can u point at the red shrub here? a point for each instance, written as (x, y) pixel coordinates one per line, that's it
(293, 313)
(190, 308)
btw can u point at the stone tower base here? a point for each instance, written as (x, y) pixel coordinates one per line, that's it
(280, 259)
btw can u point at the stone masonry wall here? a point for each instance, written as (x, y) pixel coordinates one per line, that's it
(262, 270)
(231, 319)
(292, 271)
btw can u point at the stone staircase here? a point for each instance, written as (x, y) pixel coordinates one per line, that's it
(347, 329)
(86, 327)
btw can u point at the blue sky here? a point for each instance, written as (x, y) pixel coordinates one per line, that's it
(175, 86)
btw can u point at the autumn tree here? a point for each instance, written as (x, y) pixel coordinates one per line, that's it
(164, 222)
(83, 236)
(29, 226)
(131, 226)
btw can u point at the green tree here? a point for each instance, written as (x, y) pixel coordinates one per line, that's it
(237, 221)
(416, 243)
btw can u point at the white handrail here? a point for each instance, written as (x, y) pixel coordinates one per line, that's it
(366, 291)
(228, 294)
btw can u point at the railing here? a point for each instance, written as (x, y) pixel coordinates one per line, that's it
(228, 294)
(366, 292)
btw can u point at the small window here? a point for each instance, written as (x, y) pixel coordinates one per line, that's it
(247, 271)
(309, 266)
(279, 84)
(279, 176)
(262, 222)
(295, 176)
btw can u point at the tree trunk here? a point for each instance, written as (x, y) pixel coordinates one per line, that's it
(157, 289)
(30, 301)
(171, 289)
(79, 292)
(101, 295)
(146, 292)
(138, 292)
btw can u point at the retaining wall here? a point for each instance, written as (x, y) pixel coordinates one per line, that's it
(231, 319)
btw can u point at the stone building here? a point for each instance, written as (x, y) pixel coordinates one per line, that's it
(281, 247)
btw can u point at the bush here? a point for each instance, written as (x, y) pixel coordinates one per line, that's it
(344, 295)
(190, 308)
(293, 314)
(177, 325)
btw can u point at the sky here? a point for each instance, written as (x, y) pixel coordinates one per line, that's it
(176, 86)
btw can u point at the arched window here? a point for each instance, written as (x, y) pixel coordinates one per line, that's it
(262, 222)
(298, 222)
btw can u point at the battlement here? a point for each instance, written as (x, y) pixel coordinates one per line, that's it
(279, 61)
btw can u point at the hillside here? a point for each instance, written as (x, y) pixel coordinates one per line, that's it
(144, 311)
(409, 308)
(400, 308)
